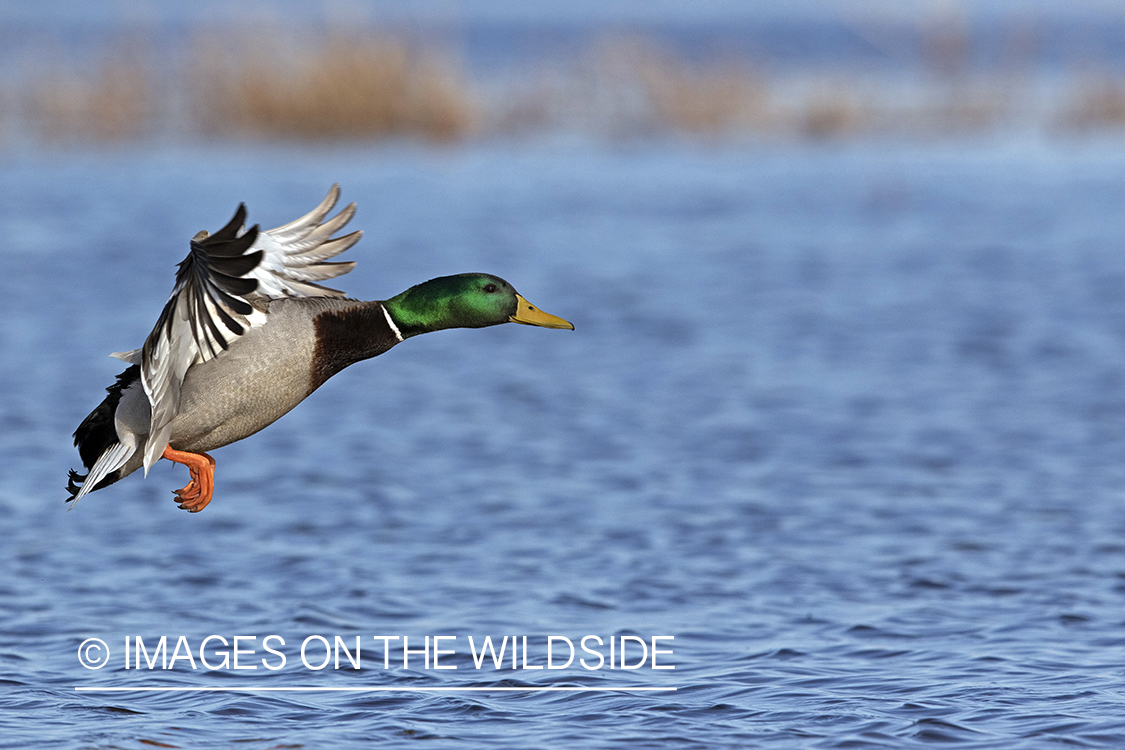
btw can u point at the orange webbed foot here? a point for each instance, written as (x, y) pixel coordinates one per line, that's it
(197, 493)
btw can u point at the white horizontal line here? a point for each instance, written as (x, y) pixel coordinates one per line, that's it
(369, 689)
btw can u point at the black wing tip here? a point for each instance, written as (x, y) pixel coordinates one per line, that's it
(230, 230)
(219, 245)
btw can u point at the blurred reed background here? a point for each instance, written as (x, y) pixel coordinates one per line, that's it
(942, 73)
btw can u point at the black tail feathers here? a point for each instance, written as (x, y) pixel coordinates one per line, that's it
(74, 483)
(98, 433)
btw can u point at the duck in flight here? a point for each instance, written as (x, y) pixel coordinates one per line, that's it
(248, 334)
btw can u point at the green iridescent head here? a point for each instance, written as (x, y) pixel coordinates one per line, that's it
(467, 300)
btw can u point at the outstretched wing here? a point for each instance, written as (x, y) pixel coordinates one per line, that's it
(210, 304)
(294, 255)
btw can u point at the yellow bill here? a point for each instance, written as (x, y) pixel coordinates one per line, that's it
(530, 315)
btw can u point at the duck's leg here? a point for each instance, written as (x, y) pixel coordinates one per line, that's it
(195, 496)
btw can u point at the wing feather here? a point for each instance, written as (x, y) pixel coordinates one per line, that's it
(294, 253)
(209, 307)
(312, 218)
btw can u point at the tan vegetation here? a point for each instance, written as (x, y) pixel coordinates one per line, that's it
(832, 111)
(339, 87)
(113, 102)
(674, 94)
(1097, 104)
(629, 86)
(351, 85)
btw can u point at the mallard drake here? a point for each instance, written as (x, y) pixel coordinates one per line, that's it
(248, 334)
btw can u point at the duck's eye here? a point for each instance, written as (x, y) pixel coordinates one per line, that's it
(489, 288)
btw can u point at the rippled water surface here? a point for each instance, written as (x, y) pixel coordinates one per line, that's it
(849, 424)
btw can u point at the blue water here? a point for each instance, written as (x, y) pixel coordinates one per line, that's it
(848, 423)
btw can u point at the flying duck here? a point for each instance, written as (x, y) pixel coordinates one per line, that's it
(248, 334)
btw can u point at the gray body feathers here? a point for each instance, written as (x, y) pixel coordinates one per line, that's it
(259, 379)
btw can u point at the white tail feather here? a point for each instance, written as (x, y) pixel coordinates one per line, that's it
(132, 357)
(113, 459)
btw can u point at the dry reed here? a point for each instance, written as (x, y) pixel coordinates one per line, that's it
(1098, 104)
(115, 101)
(706, 99)
(363, 85)
(339, 88)
(833, 111)
(630, 86)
